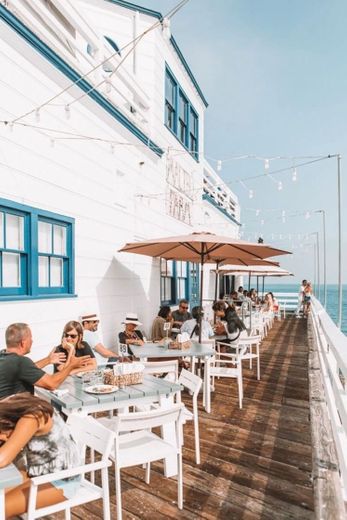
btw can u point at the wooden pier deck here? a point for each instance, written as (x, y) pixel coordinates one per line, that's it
(255, 462)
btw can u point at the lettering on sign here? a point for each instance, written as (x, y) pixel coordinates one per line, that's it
(180, 192)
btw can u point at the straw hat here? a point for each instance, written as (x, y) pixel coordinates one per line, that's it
(91, 316)
(131, 317)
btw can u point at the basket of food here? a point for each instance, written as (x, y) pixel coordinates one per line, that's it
(124, 374)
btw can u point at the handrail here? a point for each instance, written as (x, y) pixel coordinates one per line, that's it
(331, 346)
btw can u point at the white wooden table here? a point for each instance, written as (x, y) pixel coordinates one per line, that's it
(151, 390)
(154, 350)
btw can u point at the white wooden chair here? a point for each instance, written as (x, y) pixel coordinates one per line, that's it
(193, 383)
(251, 351)
(228, 365)
(136, 444)
(211, 343)
(87, 432)
(169, 367)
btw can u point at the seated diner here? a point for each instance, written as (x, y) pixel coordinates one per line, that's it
(192, 326)
(131, 334)
(164, 317)
(36, 439)
(72, 342)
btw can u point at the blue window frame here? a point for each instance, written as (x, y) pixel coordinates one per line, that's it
(178, 280)
(36, 252)
(170, 102)
(180, 117)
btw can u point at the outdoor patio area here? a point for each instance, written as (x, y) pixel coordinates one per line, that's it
(255, 462)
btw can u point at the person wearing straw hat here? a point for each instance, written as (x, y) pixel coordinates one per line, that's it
(90, 322)
(131, 335)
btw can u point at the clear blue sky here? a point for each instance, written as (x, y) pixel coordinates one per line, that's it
(275, 75)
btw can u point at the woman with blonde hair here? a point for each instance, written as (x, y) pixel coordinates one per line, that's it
(36, 439)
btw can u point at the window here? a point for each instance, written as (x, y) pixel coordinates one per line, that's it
(36, 253)
(180, 117)
(170, 102)
(193, 133)
(181, 279)
(167, 279)
(174, 281)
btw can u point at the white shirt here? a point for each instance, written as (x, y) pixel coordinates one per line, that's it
(93, 339)
(206, 329)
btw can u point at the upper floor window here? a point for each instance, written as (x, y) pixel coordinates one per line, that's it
(193, 133)
(180, 116)
(170, 102)
(174, 282)
(167, 281)
(36, 252)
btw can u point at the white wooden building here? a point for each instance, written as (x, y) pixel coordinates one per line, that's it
(101, 143)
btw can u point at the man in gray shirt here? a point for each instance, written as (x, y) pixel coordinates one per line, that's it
(181, 314)
(19, 373)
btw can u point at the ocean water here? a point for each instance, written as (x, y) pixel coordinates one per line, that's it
(332, 298)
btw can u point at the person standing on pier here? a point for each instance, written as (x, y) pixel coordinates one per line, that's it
(300, 298)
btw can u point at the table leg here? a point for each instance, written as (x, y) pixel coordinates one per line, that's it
(169, 434)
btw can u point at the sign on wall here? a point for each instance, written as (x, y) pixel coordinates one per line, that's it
(180, 192)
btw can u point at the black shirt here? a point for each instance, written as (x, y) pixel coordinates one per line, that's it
(137, 334)
(17, 374)
(85, 350)
(181, 316)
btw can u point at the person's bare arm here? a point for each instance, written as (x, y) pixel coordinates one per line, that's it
(104, 352)
(52, 381)
(52, 359)
(25, 429)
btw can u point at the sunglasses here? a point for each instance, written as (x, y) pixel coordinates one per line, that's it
(72, 336)
(184, 307)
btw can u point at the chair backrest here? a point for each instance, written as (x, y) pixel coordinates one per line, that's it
(250, 340)
(86, 431)
(190, 381)
(146, 420)
(169, 367)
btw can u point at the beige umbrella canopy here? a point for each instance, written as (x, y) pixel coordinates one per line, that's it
(203, 247)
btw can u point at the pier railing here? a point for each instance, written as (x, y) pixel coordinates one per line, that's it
(329, 358)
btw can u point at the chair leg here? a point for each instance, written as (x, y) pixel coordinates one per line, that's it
(148, 473)
(68, 514)
(118, 493)
(179, 482)
(196, 434)
(240, 387)
(258, 363)
(106, 495)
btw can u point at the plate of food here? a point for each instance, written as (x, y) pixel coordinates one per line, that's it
(101, 389)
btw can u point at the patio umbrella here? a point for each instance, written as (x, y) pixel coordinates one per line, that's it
(203, 248)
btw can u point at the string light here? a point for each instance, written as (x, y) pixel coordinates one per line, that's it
(294, 175)
(307, 215)
(67, 111)
(166, 24)
(219, 166)
(108, 86)
(279, 186)
(112, 148)
(52, 142)
(266, 164)
(251, 194)
(37, 115)
(257, 212)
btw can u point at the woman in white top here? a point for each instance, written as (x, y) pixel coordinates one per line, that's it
(191, 327)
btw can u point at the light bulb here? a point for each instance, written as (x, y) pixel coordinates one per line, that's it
(37, 115)
(257, 212)
(283, 213)
(219, 166)
(280, 186)
(166, 24)
(266, 164)
(283, 220)
(262, 222)
(251, 194)
(52, 142)
(294, 175)
(307, 215)
(112, 148)
(10, 126)
(67, 111)
(108, 86)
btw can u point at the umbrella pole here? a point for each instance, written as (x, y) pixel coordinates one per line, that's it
(257, 285)
(249, 280)
(262, 293)
(201, 291)
(216, 288)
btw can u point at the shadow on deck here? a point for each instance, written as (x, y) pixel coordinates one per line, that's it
(255, 462)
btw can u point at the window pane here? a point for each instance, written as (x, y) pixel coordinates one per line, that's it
(1, 230)
(56, 272)
(11, 270)
(169, 267)
(45, 237)
(170, 90)
(167, 282)
(43, 271)
(14, 232)
(163, 266)
(59, 240)
(183, 108)
(181, 288)
(184, 269)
